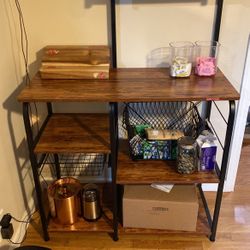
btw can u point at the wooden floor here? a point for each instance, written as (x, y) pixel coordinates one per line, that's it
(233, 229)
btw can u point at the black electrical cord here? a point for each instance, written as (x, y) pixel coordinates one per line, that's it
(24, 41)
(26, 227)
(25, 52)
(25, 49)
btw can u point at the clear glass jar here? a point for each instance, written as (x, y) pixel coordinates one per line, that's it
(187, 155)
(181, 59)
(206, 54)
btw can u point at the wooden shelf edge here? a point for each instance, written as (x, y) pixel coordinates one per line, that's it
(104, 224)
(75, 133)
(155, 171)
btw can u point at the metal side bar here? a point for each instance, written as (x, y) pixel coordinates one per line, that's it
(34, 165)
(223, 169)
(113, 124)
(57, 165)
(215, 37)
(204, 202)
(113, 33)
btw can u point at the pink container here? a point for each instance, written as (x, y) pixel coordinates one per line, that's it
(206, 54)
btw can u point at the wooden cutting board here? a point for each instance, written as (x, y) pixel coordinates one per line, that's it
(75, 62)
(74, 71)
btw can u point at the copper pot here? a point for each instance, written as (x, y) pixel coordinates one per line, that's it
(65, 194)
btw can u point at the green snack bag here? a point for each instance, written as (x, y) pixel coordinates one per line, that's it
(140, 129)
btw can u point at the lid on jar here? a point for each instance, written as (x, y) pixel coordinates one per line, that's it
(181, 44)
(187, 142)
(64, 188)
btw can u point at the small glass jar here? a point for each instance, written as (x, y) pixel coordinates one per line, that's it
(187, 155)
(181, 59)
(206, 54)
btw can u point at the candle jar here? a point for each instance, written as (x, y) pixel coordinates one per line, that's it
(206, 54)
(181, 59)
(187, 155)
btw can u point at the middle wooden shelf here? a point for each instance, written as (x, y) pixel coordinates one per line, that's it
(75, 133)
(156, 171)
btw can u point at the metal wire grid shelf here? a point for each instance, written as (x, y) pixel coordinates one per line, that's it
(79, 165)
(182, 116)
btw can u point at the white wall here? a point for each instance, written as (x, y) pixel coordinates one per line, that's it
(16, 187)
(144, 26)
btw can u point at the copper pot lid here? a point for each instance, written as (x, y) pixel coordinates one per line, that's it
(64, 188)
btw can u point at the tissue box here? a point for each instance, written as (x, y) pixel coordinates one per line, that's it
(207, 154)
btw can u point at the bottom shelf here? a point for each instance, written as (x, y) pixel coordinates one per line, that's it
(104, 224)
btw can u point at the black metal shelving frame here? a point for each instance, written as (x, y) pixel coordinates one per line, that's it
(212, 221)
(38, 161)
(113, 119)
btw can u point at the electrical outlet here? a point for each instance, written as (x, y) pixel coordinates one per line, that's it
(1, 215)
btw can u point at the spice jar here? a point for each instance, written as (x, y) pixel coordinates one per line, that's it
(181, 59)
(206, 54)
(187, 155)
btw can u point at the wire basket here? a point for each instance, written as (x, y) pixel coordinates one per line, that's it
(80, 165)
(182, 116)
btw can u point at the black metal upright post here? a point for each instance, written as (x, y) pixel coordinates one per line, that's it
(215, 37)
(217, 19)
(34, 165)
(56, 158)
(113, 32)
(49, 108)
(57, 165)
(114, 152)
(223, 169)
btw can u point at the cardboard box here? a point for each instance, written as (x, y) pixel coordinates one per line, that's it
(147, 207)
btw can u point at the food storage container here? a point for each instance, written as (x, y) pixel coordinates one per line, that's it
(206, 54)
(181, 59)
(187, 155)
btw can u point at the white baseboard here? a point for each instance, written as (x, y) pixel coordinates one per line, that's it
(213, 187)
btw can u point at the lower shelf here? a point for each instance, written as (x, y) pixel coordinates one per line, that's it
(104, 224)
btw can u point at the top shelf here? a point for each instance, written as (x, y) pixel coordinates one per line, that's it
(131, 85)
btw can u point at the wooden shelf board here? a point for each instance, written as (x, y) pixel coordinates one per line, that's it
(131, 85)
(75, 133)
(104, 224)
(147, 171)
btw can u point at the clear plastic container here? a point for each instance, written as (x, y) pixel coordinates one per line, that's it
(181, 59)
(187, 155)
(206, 55)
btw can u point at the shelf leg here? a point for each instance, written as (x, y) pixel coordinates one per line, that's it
(34, 165)
(113, 123)
(113, 32)
(223, 169)
(57, 164)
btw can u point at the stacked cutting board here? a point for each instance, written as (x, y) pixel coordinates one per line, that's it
(75, 62)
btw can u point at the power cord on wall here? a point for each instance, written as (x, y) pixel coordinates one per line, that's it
(25, 52)
(7, 228)
(25, 49)
(24, 41)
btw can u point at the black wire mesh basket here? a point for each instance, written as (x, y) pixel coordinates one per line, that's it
(80, 165)
(183, 116)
